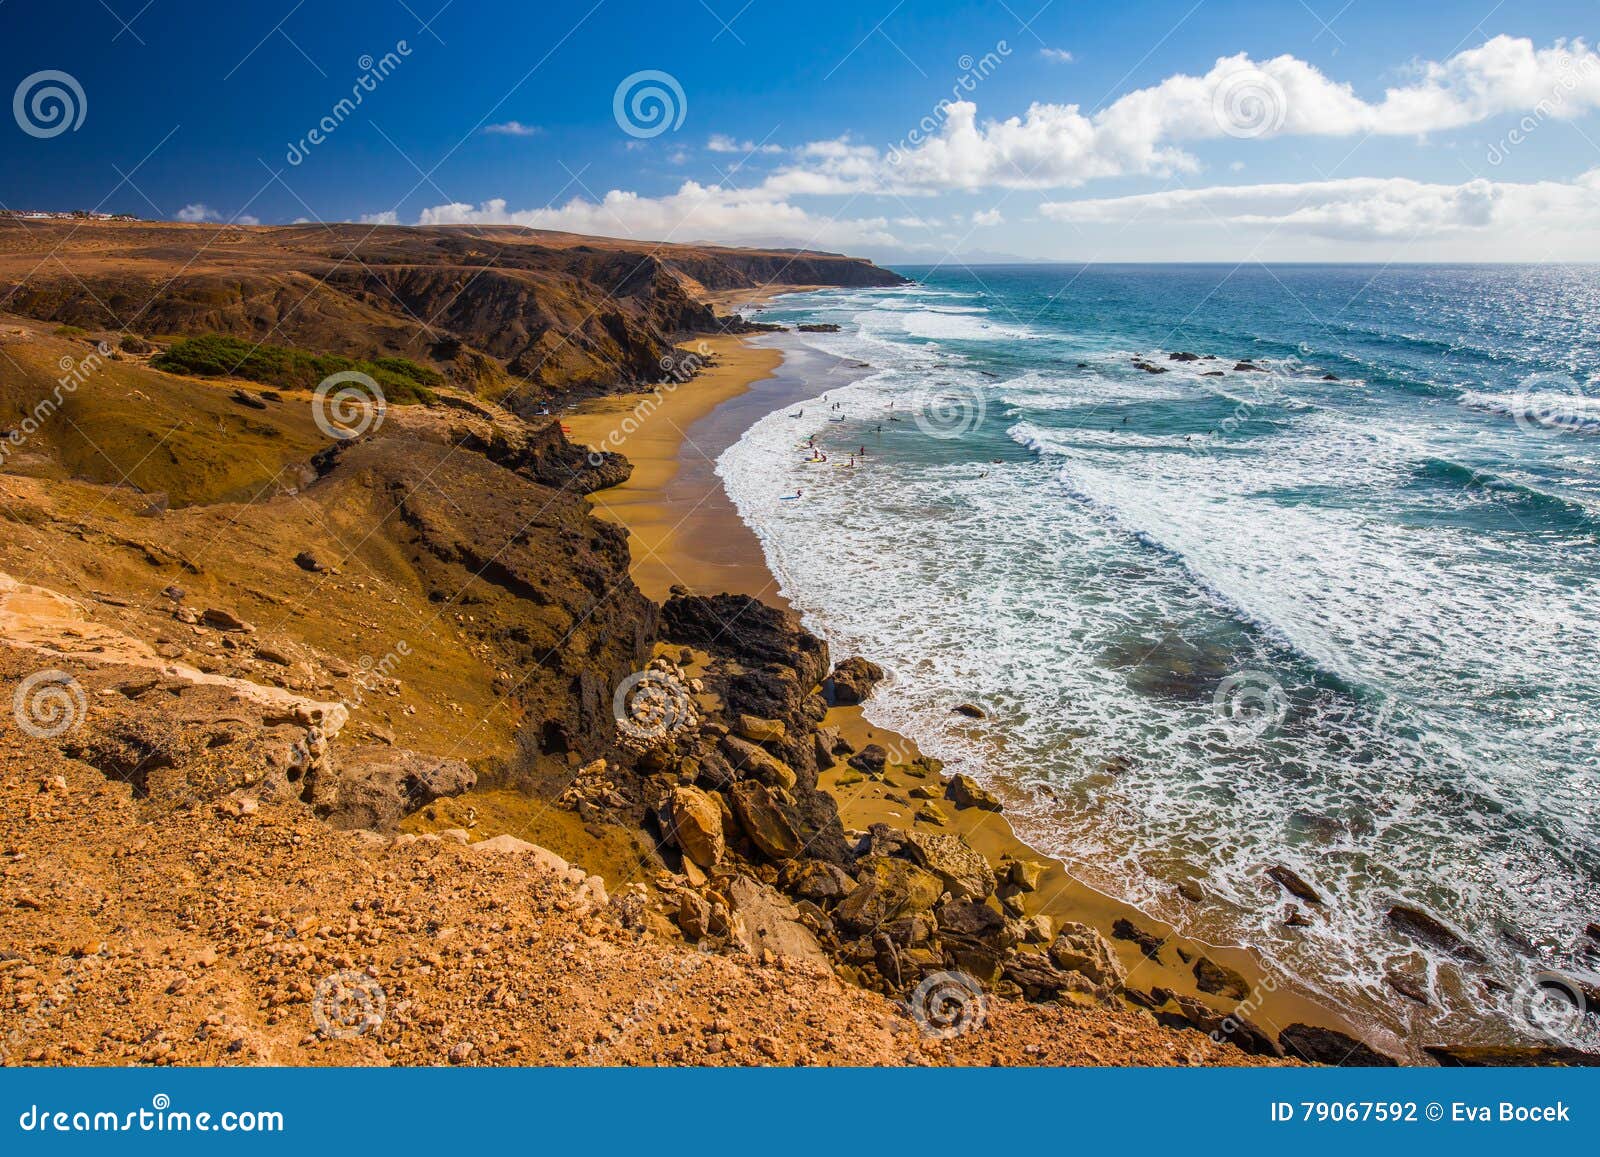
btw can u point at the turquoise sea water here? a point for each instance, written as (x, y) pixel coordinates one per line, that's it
(1223, 620)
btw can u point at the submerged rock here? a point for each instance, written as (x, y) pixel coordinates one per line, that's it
(1429, 929)
(1294, 884)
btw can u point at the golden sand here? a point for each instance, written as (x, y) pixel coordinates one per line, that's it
(683, 528)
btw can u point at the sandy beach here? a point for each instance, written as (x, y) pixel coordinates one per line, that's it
(684, 530)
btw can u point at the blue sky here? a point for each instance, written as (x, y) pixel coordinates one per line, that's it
(822, 124)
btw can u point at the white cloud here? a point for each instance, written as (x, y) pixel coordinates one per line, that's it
(513, 129)
(988, 217)
(722, 143)
(1359, 208)
(1142, 132)
(1056, 55)
(198, 211)
(694, 213)
(387, 217)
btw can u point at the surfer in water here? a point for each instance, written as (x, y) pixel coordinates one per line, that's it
(791, 497)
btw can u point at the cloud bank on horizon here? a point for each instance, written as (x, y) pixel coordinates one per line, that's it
(816, 193)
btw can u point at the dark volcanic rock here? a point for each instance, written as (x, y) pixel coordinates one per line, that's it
(964, 792)
(1148, 942)
(1219, 979)
(871, 759)
(1465, 1057)
(1199, 1015)
(1294, 884)
(1428, 929)
(1327, 1046)
(852, 681)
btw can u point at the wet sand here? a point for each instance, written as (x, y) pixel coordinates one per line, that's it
(685, 530)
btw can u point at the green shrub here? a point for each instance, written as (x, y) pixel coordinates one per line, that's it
(216, 355)
(70, 331)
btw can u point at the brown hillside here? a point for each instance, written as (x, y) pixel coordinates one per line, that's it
(556, 310)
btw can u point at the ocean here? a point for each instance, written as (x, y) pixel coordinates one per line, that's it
(1339, 615)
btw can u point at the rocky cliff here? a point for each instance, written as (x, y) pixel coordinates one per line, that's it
(506, 311)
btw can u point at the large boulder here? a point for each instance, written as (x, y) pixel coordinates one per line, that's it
(871, 759)
(763, 921)
(758, 730)
(887, 889)
(966, 875)
(748, 759)
(763, 820)
(694, 823)
(965, 792)
(1080, 948)
(1039, 978)
(852, 681)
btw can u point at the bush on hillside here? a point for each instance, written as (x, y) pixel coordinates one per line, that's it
(218, 355)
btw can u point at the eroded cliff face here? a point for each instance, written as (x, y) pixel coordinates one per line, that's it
(508, 312)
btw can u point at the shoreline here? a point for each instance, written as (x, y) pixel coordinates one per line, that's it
(675, 506)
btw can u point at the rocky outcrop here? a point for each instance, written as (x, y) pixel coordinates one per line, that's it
(1079, 948)
(377, 786)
